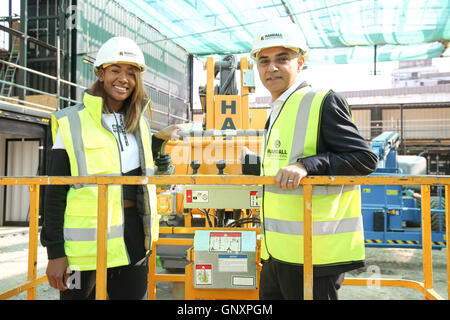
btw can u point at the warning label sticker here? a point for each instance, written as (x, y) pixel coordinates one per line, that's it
(225, 241)
(233, 263)
(203, 274)
(243, 281)
(195, 196)
(254, 199)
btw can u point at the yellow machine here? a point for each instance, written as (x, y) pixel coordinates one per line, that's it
(227, 128)
(219, 259)
(226, 123)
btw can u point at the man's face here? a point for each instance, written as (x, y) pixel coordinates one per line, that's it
(278, 68)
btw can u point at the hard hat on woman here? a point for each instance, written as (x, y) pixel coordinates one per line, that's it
(279, 33)
(119, 50)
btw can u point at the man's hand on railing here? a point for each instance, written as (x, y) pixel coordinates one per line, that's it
(289, 177)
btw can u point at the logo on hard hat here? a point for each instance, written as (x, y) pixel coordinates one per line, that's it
(126, 53)
(271, 36)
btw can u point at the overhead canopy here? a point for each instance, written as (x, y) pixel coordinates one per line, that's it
(337, 31)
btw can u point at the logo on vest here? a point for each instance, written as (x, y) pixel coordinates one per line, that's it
(276, 152)
(277, 143)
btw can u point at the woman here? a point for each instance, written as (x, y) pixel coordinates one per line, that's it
(107, 134)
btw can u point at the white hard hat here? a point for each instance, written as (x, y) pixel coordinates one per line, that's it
(279, 33)
(119, 50)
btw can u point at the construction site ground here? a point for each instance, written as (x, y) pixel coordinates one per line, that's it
(380, 262)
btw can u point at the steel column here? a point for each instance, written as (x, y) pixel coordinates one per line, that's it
(102, 225)
(33, 239)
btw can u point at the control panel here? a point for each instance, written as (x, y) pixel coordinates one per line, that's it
(225, 259)
(221, 197)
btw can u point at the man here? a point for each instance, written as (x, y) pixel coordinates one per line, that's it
(309, 132)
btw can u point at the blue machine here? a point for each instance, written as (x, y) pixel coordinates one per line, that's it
(392, 213)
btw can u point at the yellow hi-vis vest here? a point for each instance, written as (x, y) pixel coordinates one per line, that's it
(338, 236)
(93, 150)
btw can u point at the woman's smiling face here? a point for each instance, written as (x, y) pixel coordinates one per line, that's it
(119, 82)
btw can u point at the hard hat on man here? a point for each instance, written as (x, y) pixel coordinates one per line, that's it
(119, 50)
(279, 33)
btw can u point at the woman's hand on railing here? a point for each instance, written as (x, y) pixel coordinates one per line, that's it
(169, 133)
(57, 273)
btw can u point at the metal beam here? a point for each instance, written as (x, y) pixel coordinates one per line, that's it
(28, 38)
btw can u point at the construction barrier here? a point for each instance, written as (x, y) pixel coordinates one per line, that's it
(426, 287)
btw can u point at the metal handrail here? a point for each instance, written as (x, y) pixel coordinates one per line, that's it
(30, 104)
(103, 181)
(37, 91)
(59, 97)
(436, 128)
(170, 115)
(54, 95)
(41, 74)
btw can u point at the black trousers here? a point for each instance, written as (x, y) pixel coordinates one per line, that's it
(125, 282)
(281, 281)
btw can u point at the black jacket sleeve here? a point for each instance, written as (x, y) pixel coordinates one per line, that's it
(156, 145)
(341, 149)
(52, 236)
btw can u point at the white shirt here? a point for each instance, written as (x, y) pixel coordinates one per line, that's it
(278, 103)
(129, 151)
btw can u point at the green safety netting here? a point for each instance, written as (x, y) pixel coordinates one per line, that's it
(337, 31)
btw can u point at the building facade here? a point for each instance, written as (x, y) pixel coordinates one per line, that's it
(35, 84)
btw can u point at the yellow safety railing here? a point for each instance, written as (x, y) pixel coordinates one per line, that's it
(426, 287)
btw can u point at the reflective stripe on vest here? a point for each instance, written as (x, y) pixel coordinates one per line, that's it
(90, 234)
(337, 222)
(75, 130)
(320, 228)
